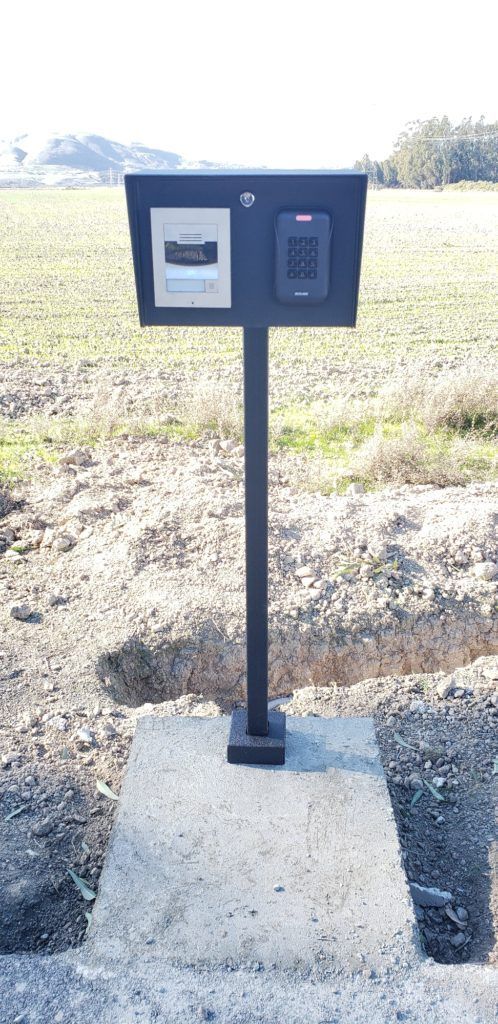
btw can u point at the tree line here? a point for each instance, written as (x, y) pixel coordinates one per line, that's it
(433, 153)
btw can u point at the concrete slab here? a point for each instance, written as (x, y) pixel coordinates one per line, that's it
(74, 989)
(295, 866)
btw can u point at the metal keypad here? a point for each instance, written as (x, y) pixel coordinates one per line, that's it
(302, 256)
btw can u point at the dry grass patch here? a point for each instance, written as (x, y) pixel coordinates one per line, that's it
(465, 399)
(212, 407)
(407, 459)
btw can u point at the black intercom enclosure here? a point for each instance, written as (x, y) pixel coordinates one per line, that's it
(260, 291)
(251, 249)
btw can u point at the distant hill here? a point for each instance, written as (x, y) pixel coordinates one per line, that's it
(72, 160)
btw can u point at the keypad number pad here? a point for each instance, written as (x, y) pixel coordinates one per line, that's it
(302, 257)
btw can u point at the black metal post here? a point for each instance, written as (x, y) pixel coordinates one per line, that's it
(256, 501)
(256, 736)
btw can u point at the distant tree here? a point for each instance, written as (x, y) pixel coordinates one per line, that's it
(435, 152)
(371, 167)
(389, 174)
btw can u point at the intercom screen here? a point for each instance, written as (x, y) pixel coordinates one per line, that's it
(190, 252)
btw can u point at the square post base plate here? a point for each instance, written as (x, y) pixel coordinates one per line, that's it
(246, 749)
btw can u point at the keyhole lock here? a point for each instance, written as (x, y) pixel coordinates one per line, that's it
(247, 199)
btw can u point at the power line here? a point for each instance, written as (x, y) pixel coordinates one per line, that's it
(456, 138)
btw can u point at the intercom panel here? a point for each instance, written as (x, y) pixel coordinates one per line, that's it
(247, 248)
(302, 256)
(191, 257)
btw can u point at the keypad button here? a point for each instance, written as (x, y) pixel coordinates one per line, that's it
(292, 273)
(302, 263)
(302, 273)
(312, 263)
(292, 252)
(313, 240)
(292, 263)
(313, 252)
(302, 251)
(292, 240)
(302, 240)
(312, 274)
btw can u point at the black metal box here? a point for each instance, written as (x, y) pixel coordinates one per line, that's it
(245, 207)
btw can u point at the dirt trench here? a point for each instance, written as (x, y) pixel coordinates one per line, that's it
(139, 672)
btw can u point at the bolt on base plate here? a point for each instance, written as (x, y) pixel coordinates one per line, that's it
(246, 749)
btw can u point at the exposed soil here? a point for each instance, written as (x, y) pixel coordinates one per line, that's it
(121, 582)
(439, 756)
(121, 389)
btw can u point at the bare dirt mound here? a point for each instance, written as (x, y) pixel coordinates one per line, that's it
(130, 562)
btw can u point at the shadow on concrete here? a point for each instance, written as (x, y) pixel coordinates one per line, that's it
(323, 751)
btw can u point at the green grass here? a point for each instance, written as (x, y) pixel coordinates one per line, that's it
(428, 299)
(67, 290)
(334, 454)
(376, 451)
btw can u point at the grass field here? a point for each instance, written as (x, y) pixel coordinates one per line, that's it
(427, 328)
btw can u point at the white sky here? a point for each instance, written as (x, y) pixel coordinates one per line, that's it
(289, 84)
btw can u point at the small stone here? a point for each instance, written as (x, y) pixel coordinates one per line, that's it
(424, 896)
(204, 1014)
(453, 916)
(85, 736)
(355, 489)
(308, 581)
(304, 570)
(438, 781)
(485, 570)
(278, 888)
(228, 446)
(10, 757)
(416, 706)
(378, 552)
(13, 555)
(74, 458)
(458, 940)
(20, 612)
(462, 914)
(444, 688)
(58, 722)
(459, 691)
(43, 828)
(64, 542)
(416, 783)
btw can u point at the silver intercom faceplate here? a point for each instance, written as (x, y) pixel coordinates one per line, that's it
(191, 257)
